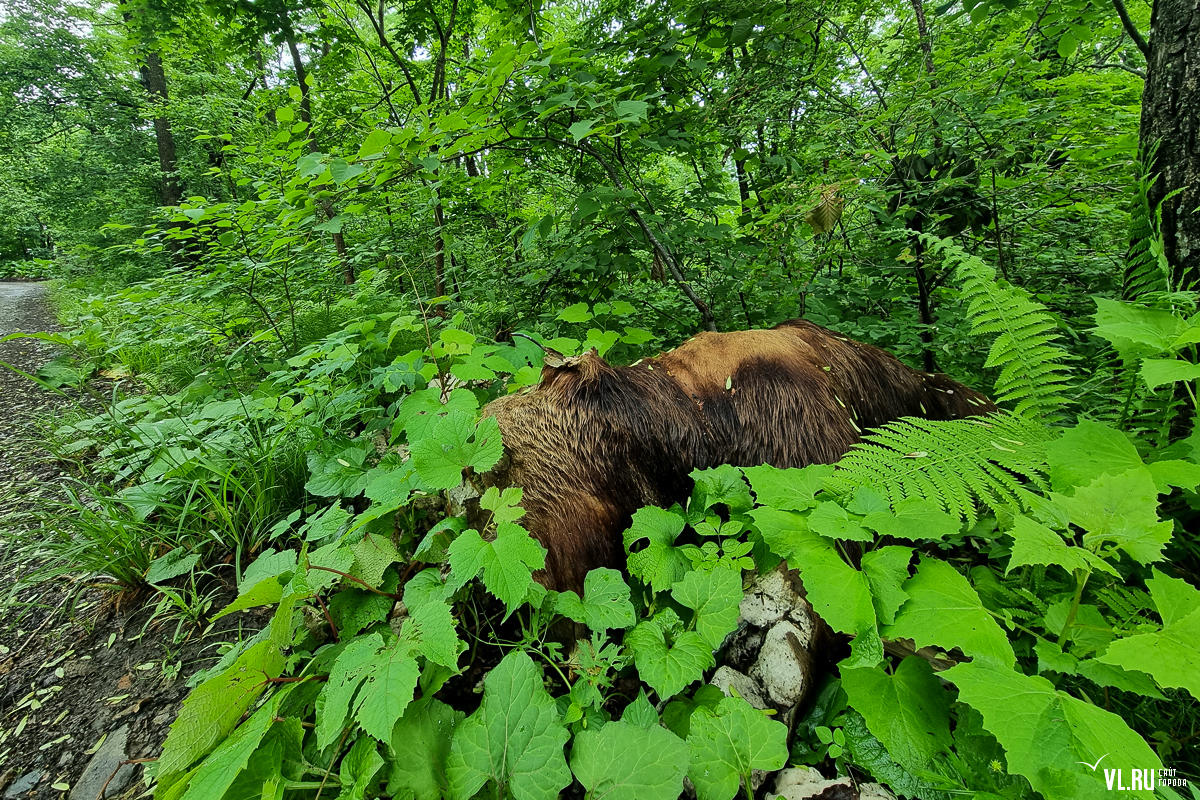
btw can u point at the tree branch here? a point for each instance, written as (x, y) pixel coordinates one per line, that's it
(1131, 29)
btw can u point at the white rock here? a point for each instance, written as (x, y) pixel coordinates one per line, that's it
(731, 682)
(802, 783)
(783, 664)
(770, 599)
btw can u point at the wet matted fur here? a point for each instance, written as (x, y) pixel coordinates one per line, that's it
(593, 442)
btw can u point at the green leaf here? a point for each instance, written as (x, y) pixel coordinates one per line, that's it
(214, 708)
(605, 602)
(830, 519)
(420, 410)
(337, 475)
(515, 740)
(420, 748)
(1120, 509)
(453, 443)
(358, 768)
(943, 610)
(838, 592)
(506, 564)
(576, 313)
(1131, 327)
(720, 485)
(341, 170)
(729, 743)
(668, 668)
(430, 624)
(886, 569)
(787, 489)
(387, 689)
(915, 519)
(1160, 371)
(1087, 451)
(373, 554)
(1036, 544)
(171, 564)
(632, 110)
(346, 674)
(715, 596)
(622, 761)
(375, 142)
(1050, 737)
(579, 130)
(908, 711)
(1172, 654)
(218, 772)
(659, 564)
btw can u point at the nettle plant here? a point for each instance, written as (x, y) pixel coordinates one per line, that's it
(1006, 581)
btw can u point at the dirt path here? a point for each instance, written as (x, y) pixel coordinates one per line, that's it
(89, 681)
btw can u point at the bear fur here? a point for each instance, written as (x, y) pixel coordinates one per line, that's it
(593, 442)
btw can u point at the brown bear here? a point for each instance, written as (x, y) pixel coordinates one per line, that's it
(593, 442)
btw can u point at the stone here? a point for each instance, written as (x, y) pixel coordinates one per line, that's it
(731, 682)
(784, 664)
(23, 784)
(769, 599)
(803, 783)
(106, 764)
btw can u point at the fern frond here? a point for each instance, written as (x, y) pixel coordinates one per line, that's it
(952, 463)
(1033, 376)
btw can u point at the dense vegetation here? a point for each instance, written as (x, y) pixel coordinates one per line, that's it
(298, 240)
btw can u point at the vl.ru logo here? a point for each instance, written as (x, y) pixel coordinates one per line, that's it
(1137, 780)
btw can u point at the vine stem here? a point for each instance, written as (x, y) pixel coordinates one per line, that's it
(1081, 579)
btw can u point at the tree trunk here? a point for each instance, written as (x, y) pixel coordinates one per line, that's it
(1170, 121)
(154, 80)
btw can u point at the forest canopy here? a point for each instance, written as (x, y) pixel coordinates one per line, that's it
(296, 246)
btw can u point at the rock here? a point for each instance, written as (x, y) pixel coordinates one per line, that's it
(105, 763)
(784, 665)
(730, 681)
(770, 598)
(66, 758)
(805, 783)
(23, 784)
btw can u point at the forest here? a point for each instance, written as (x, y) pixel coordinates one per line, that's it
(330, 332)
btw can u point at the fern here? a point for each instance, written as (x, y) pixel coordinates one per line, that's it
(1032, 378)
(1144, 274)
(952, 463)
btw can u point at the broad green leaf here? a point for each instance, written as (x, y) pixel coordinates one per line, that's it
(729, 743)
(1129, 327)
(1158, 372)
(387, 688)
(218, 772)
(514, 741)
(341, 170)
(914, 519)
(943, 610)
(373, 554)
(632, 110)
(886, 569)
(337, 475)
(345, 676)
(622, 761)
(214, 708)
(1087, 451)
(576, 313)
(506, 564)
(375, 142)
(720, 485)
(171, 564)
(659, 563)
(668, 668)
(605, 604)
(787, 489)
(909, 711)
(1050, 737)
(430, 624)
(1120, 509)
(1034, 543)
(830, 519)
(358, 768)
(420, 747)
(420, 410)
(1172, 655)
(715, 596)
(838, 592)
(579, 130)
(453, 443)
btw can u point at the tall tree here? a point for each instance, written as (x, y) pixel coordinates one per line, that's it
(1171, 123)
